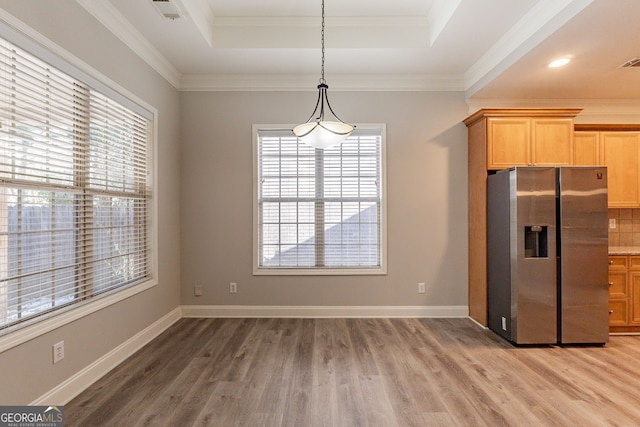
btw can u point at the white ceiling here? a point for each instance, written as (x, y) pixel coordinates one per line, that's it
(489, 48)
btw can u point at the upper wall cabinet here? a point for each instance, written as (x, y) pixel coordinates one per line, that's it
(551, 141)
(525, 137)
(620, 152)
(616, 146)
(586, 148)
(508, 142)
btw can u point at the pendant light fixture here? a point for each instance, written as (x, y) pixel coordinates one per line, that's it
(318, 132)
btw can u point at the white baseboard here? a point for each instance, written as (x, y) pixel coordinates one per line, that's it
(70, 388)
(322, 311)
(478, 323)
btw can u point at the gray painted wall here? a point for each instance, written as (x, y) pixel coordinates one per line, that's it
(27, 370)
(426, 191)
(211, 200)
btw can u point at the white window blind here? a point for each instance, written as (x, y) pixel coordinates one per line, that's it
(320, 209)
(74, 191)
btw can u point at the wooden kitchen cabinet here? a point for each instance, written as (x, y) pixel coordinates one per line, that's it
(618, 313)
(618, 291)
(620, 152)
(499, 139)
(586, 149)
(624, 293)
(508, 142)
(526, 141)
(618, 148)
(552, 141)
(618, 285)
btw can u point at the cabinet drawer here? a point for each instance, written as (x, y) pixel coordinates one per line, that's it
(617, 262)
(618, 284)
(618, 313)
(634, 262)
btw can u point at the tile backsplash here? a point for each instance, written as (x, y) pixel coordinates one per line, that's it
(627, 227)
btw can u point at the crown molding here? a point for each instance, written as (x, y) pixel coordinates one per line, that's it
(304, 82)
(115, 22)
(593, 110)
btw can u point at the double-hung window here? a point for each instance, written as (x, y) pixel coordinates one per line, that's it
(319, 211)
(74, 191)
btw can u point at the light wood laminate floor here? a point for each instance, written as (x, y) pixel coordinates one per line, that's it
(361, 372)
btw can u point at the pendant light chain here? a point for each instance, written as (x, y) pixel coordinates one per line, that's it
(317, 132)
(322, 80)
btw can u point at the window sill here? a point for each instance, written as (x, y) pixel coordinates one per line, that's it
(320, 272)
(13, 338)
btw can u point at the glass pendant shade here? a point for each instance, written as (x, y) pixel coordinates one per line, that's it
(323, 134)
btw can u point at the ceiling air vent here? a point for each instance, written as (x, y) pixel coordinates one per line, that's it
(633, 62)
(167, 8)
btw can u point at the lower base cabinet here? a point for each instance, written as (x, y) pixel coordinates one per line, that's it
(624, 293)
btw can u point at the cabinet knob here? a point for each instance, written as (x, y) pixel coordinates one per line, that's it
(610, 311)
(610, 262)
(610, 283)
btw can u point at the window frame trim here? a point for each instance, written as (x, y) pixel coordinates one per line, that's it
(321, 271)
(23, 36)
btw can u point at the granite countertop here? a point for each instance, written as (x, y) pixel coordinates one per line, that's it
(624, 250)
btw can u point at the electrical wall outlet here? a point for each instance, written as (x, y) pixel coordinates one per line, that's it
(197, 291)
(612, 223)
(421, 288)
(233, 288)
(58, 352)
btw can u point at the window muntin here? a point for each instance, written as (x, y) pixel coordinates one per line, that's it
(74, 191)
(320, 210)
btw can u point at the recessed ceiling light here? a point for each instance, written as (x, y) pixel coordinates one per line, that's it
(559, 62)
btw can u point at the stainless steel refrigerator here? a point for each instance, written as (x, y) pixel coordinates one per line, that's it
(547, 255)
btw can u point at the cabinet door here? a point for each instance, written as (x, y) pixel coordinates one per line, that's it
(552, 142)
(618, 284)
(508, 142)
(634, 308)
(621, 155)
(618, 298)
(618, 290)
(618, 313)
(586, 149)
